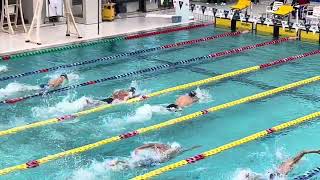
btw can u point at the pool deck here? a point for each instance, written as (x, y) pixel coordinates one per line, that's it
(52, 36)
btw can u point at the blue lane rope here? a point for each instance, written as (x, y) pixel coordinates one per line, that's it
(108, 58)
(309, 174)
(151, 69)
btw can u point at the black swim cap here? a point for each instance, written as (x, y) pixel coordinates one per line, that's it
(64, 75)
(192, 94)
(132, 89)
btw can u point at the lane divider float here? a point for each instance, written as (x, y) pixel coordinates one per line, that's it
(309, 174)
(220, 149)
(46, 159)
(108, 58)
(148, 70)
(157, 93)
(108, 40)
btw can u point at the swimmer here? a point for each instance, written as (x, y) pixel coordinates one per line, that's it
(150, 154)
(183, 101)
(284, 169)
(121, 96)
(55, 83)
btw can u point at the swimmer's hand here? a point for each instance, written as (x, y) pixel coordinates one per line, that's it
(313, 151)
(190, 149)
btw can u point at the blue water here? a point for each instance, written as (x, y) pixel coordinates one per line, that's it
(209, 131)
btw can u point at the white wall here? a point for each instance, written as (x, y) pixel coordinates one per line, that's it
(28, 9)
(90, 12)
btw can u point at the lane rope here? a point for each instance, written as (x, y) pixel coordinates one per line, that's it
(108, 40)
(147, 70)
(109, 58)
(233, 144)
(309, 174)
(157, 93)
(46, 159)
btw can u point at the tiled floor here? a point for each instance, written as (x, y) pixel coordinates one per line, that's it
(55, 35)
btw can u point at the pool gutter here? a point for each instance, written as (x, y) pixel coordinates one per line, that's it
(93, 40)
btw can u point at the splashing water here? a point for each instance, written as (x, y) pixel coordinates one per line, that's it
(15, 88)
(97, 170)
(145, 157)
(138, 89)
(3, 69)
(247, 174)
(143, 113)
(104, 169)
(203, 95)
(280, 154)
(66, 106)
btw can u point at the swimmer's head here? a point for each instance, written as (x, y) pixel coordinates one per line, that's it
(108, 100)
(248, 175)
(172, 107)
(176, 147)
(192, 94)
(64, 75)
(274, 175)
(132, 89)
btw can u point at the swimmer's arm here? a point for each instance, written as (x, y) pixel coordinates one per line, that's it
(292, 162)
(190, 149)
(196, 99)
(297, 158)
(135, 96)
(146, 146)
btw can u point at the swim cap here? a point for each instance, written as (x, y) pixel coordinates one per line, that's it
(192, 94)
(132, 89)
(64, 75)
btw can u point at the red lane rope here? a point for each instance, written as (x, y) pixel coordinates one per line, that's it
(170, 30)
(129, 37)
(288, 59)
(122, 55)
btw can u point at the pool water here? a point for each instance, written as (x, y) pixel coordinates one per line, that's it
(208, 131)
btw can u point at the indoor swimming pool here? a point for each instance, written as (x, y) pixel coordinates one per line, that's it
(209, 131)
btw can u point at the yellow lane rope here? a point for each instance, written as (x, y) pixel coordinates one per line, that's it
(36, 163)
(134, 100)
(228, 146)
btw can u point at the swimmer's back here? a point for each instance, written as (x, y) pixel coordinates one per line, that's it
(184, 100)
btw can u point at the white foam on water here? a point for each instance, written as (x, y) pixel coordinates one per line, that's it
(203, 95)
(97, 170)
(104, 169)
(142, 114)
(66, 106)
(139, 91)
(3, 69)
(14, 88)
(280, 154)
(247, 174)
